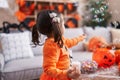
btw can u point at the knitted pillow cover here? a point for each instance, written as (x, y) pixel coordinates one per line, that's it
(16, 45)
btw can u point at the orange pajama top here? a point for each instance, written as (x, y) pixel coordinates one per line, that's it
(56, 60)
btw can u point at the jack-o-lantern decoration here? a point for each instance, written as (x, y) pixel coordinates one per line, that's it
(20, 2)
(28, 8)
(52, 7)
(60, 8)
(20, 16)
(32, 7)
(31, 23)
(103, 57)
(70, 6)
(117, 56)
(96, 42)
(39, 7)
(71, 23)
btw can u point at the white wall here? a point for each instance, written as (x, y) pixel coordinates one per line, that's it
(8, 14)
(114, 6)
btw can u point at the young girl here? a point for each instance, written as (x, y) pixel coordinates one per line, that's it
(56, 60)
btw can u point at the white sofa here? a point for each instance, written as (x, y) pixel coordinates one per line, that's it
(31, 68)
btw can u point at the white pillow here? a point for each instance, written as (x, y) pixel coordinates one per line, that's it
(0, 47)
(75, 32)
(16, 45)
(98, 31)
(116, 37)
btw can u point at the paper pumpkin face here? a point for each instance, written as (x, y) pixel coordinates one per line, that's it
(71, 23)
(96, 42)
(117, 56)
(70, 6)
(20, 16)
(60, 8)
(31, 23)
(103, 57)
(20, 2)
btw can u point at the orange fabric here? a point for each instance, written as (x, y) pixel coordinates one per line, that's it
(72, 42)
(56, 60)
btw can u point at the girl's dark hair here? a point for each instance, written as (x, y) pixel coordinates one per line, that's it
(45, 25)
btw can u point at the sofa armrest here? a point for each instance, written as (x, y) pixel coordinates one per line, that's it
(1, 62)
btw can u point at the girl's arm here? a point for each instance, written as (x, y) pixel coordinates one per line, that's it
(51, 57)
(74, 41)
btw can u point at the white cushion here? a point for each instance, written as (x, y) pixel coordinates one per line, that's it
(98, 31)
(16, 45)
(75, 32)
(0, 47)
(116, 37)
(23, 64)
(82, 56)
(38, 50)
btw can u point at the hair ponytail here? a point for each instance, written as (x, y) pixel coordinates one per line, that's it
(48, 23)
(57, 34)
(35, 35)
(56, 27)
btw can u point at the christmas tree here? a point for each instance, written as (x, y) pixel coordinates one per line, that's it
(99, 14)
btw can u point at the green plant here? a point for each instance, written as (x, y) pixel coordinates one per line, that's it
(99, 13)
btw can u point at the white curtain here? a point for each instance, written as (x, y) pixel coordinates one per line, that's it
(4, 4)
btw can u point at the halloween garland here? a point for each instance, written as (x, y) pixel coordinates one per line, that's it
(27, 8)
(7, 26)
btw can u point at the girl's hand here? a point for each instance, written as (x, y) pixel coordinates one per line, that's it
(73, 73)
(83, 36)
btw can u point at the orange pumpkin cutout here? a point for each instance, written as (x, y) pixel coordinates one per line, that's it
(39, 7)
(70, 6)
(52, 7)
(20, 2)
(103, 57)
(117, 56)
(60, 8)
(32, 7)
(70, 24)
(96, 42)
(20, 16)
(31, 24)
